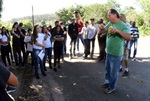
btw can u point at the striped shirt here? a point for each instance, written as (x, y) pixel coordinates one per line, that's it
(135, 31)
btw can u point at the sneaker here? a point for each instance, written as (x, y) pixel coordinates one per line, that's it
(10, 89)
(105, 85)
(109, 91)
(120, 70)
(126, 73)
(44, 74)
(55, 70)
(37, 77)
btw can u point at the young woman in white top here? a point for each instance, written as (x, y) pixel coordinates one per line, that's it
(48, 46)
(38, 46)
(29, 49)
(4, 40)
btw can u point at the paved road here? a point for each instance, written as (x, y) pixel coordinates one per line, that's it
(80, 80)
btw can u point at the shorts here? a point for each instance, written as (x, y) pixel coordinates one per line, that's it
(125, 56)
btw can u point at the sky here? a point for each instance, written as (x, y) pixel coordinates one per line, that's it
(21, 8)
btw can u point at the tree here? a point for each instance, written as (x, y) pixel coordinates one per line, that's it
(1, 4)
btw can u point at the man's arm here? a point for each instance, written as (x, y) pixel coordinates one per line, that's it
(12, 81)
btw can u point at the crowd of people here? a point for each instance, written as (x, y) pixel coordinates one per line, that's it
(114, 42)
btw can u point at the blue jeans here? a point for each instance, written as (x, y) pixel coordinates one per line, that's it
(48, 52)
(112, 66)
(37, 61)
(135, 42)
(80, 36)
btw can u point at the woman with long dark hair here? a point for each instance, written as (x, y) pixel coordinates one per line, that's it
(48, 46)
(38, 46)
(4, 40)
(58, 38)
(16, 44)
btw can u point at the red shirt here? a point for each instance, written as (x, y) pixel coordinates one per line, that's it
(80, 26)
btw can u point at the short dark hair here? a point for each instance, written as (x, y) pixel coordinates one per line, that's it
(20, 24)
(29, 29)
(92, 19)
(87, 22)
(56, 22)
(113, 11)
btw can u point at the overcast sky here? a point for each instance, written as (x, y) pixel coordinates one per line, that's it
(20, 8)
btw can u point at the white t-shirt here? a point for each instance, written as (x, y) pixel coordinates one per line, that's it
(47, 42)
(4, 39)
(39, 40)
(92, 30)
(84, 31)
(29, 45)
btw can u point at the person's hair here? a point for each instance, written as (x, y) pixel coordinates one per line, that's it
(43, 28)
(29, 29)
(14, 24)
(55, 31)
(56, 22)
(3, 33)
(20, 24)
(61, 23)
(113, 11)
(87, 22)
(123, 15)
(34, 35)
(50, 26)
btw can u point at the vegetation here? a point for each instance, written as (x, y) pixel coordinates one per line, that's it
(96, 11)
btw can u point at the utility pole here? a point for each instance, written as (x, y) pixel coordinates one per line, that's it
(32, 15)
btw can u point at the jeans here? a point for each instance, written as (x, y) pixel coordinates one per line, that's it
(37, 61)
(23, 49)
(73, 41)
(89, 47)
(85, 45)
(26, 56)
(57, 53)
(135, 42)
(64, 47)
(112, 66)
(48, 52)
(80, 36)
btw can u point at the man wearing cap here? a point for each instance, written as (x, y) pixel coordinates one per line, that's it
(73, 33)
(91, 33)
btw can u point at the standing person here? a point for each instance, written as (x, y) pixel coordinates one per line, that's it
(125, 56)
(84, 32)
(56, 24)
(101, 41)
(5, 40)
(22, 36)
(16, 44)
(73, 33)
(48, 46)
(116, 31)
(80, 35)
(38, 46)
(7, 79)
(49, 28)
(58, 38)
(28, 41)
(91, 31)
(10, 49)
(135, 35)
(65, 39)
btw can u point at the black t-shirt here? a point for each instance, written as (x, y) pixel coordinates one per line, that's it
(16, 40)
(4, 76)
(58, 35)
(65, 30)
(21, 37)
